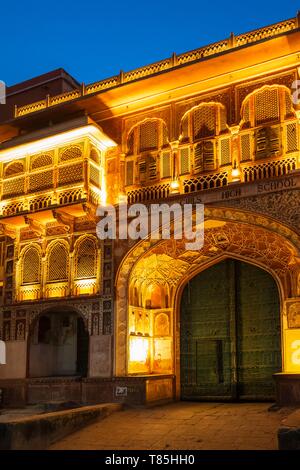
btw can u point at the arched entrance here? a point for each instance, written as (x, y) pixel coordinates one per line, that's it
(230, 334)
(58, 345)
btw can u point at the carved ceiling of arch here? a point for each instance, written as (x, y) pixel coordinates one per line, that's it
(169, 260)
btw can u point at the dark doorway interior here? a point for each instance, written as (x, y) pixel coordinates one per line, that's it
(58, 345)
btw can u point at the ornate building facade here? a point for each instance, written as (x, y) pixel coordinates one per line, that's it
(146, 321)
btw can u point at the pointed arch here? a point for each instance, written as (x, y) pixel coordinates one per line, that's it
(86, 258)
(58, 261)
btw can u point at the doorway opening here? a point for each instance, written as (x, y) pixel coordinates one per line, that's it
(58, 345)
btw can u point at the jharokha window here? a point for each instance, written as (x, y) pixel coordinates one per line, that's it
(147, 145)
(198, 144)
(268, 126)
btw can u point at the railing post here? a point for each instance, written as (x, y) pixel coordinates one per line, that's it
(82, 89)
(121, 77)
(174, 59)
(47, 101)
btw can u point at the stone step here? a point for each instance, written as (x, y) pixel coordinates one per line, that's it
(41, 430)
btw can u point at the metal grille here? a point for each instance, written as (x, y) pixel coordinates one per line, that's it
(41, 180)
(13, 169)
(95, 176)
(291, 137)
(70, 153)
(245, 147)
(129, 173)
(225, 158)
(86, 259)
(266, 106)
(149, 136)
(204, 119)
(184, 161)
(166, 165)
(58, 263)
(205, 182)
(269, 169)
(31, 268)
(70, 174)
(41, 161)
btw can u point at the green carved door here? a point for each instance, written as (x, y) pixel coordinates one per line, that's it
(230, 334)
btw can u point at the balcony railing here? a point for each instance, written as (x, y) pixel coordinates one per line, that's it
(251, 37)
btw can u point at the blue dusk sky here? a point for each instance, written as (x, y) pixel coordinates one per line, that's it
(95, 39)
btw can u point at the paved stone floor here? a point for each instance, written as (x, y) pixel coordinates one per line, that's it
(182, 425)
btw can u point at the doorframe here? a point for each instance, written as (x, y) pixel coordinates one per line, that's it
(177, 301)
(49, 310)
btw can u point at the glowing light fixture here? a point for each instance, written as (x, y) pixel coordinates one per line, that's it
(139, 349)
(236, 174)
(174, 186)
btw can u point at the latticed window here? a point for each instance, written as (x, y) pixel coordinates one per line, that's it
(31, 266)
(245, 144)
(86, 259)
(225, 157)
(204, 122)
(266, 106)
(70, 153)
(166, 165)
(149, 136)
(184, 160)
(14, 169)
(41, 160)
(291, 137)
(267, 142)
(58, 263)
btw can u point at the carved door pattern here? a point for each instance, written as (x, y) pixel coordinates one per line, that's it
(230, 334)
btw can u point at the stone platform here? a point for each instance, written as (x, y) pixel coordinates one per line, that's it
(38, 431)
(133, 390)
